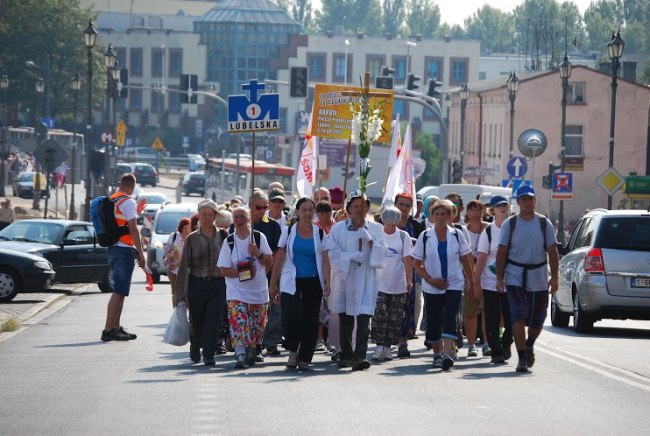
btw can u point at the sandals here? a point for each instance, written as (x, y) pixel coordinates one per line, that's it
(302, 365)
(293, 360)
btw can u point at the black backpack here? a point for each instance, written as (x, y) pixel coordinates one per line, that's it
(102, 215)
(257, 236)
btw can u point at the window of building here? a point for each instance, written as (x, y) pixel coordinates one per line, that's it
(401, 107)
(121, 56)
(174, 101)
(399, 64)
(339, 66)
(175, 62)
(316, 64)
(157, 103)
(374, 64)
(135, 98)
(574, 140)
(135, 67)
(156, 62)
(576, 93)
(433, 68)
(458, 71)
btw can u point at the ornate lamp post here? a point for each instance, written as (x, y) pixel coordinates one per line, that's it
(615, 49)
(4, 86)
(36, 204)
(109, 62)
(90, 36)
(565, 74)
(464, 95)
(513, 85)
(76, 85)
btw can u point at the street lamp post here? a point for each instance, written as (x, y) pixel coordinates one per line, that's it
(445, 158)
(109, 62)
(347, 45)
(615, 51)
(46, 92)
(76, 85)
(36, 203)
(565, 74)
(464, 95)
(4, 86)
(513, 85)
(90, 36)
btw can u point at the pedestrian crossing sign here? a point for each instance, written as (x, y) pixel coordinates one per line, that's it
(157, 144)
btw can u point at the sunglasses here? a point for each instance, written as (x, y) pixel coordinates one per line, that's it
(261, 207)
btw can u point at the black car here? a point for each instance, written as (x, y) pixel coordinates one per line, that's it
(194, 182)
(145, 174)
(70, 246)
(23, 185)
(22, 272)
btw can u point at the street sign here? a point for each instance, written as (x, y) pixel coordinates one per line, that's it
(269, 155)
(107, 138)
(120, 140)
(506, 183)
(157, 144)
(129, 142)
(255, 113)
(611, 181)
(517, 167)
(637, 187)
(516, 183)
(562, 186)
(50, 154)
(532, 143)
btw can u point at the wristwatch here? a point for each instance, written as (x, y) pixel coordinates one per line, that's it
(260, 256)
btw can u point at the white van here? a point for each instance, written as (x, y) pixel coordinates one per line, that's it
(469, 192)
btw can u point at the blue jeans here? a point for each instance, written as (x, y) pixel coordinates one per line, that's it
(441, 312)
(121, 261)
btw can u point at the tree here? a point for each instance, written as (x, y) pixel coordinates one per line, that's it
(393, 16)
(430, 153)
(301, 12)
(422, 18)
(49, 33)
(362, 16)
(493, 28)
(601, 18)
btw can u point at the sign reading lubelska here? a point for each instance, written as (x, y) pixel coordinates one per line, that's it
(255, 113)
(332, 117)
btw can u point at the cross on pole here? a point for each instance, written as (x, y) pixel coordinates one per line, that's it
(252, 87)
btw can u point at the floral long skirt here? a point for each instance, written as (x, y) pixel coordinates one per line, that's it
(387, 320)
(247, 323)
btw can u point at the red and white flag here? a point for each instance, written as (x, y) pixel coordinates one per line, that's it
(396, 144)
(307, 167)
(402, 177)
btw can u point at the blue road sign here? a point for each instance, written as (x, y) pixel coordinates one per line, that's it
(269, 155)
(516, 183)
(506, 183)
(254, 113)
(517, 167)
(563, 182)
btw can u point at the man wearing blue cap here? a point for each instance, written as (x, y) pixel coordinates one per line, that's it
(526, 239)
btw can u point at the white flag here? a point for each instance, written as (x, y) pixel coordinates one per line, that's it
(402, 178)
(306, 176)
(396, 144)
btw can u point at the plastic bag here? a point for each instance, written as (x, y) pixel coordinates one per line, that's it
(178, 328)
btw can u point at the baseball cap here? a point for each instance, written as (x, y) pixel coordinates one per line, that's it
(276, 194)
(498, 200)
(355, 194)
(485, 198)
(525, 190)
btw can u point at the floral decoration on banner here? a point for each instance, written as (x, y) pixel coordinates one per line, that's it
(366, 129)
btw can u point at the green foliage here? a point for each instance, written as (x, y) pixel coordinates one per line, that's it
(393, 16)
(430, 153)
(363, 16)
(422, 18)
(10, 325)
(299, 10)
(493, 28)
(601, 18)
(49, 33)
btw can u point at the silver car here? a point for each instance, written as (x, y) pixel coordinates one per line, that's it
(605, 270)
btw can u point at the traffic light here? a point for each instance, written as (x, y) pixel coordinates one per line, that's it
(431, 91)
(124, 80)
(548, 183)
(348, 175)
(385, 71)
(457, 172)
(410, 83)
(189, 82)
(384, 82)
(298, 83)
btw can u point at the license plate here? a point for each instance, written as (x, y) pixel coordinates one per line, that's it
(638, 282)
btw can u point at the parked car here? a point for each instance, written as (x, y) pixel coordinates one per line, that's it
(121, 168)
(22, 272)
(164, 223)
(605, 270)
(195, 161)
(145, 174)
(194, 182)
(155, 201)
(70, 246)
(23, 185)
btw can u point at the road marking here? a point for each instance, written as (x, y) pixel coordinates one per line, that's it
(609, 372)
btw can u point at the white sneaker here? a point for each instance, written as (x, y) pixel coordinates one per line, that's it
(387, 354)
(378, 355)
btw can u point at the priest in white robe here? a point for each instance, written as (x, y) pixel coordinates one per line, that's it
(356, 251)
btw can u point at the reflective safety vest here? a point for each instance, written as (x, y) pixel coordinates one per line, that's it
(121, 219)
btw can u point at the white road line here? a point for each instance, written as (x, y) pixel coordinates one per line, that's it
(606, 373)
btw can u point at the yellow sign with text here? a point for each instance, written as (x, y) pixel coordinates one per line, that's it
(332, 116)
(120, 139)
(157, 144)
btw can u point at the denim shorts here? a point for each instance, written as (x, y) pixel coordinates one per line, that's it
(121, 260)
(527, 306)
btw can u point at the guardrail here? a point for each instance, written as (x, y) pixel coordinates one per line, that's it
(164, 163)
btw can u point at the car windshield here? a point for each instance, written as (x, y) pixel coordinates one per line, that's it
(42, 232)
(26, 177)
(624, 233)
(154, 198)
(168, 222)
(197, 177)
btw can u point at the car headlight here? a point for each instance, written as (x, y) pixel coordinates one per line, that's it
(156, 244)
(42, 264)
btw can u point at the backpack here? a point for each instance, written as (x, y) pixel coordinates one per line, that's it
(321, 233)
(424, 240)
(513, 224)
(231, 239)
(102, 215)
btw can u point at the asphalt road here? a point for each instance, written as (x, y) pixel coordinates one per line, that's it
(57, 377)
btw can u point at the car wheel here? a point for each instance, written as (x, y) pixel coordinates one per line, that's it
(107, 284)
(558, 318)
(9, 284)
(153, 185)
(187, 193)
(582, 322)
(155, 277)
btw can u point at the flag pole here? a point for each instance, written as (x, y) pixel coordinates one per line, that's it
(252, 178)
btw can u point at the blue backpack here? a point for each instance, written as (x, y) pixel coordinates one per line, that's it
(102, 215)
